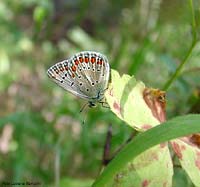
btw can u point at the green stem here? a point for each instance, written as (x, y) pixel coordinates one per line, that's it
(194, 33)
(194, 27)
(177, 72)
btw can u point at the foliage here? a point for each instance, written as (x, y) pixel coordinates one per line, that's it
(42, 138)
(125, 95)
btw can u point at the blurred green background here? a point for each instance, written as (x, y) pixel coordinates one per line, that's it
(42, 138)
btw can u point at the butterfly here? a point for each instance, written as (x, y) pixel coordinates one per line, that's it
(86, 75)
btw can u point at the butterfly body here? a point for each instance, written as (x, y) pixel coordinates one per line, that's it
(86, 75)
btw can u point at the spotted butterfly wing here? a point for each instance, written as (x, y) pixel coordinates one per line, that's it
(86, 74)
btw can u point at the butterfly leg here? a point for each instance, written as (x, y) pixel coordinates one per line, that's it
(83, 107)
(104, 104)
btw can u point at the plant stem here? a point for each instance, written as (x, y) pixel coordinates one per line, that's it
(194, 41)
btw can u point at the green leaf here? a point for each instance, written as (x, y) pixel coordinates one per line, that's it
(180, 178)
(125, 98)
(143, 170)
(174, 128)
(189, 157)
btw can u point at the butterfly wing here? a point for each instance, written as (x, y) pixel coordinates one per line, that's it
(85, 74)
(95, 70)
(62, 76)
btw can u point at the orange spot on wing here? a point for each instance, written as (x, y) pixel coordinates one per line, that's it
(76, 62)
(74, 68)
(86, 59)
(93, 60)
(73, 75)
(100, 61)
(80, 59)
